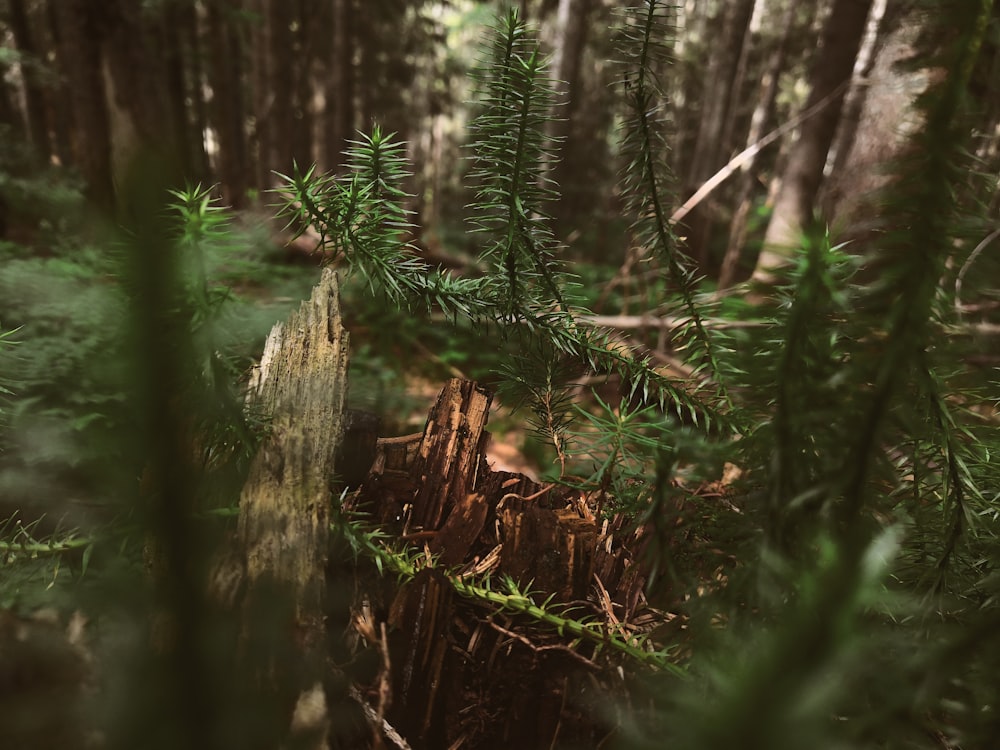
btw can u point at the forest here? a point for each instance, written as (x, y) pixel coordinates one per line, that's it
(478, 374)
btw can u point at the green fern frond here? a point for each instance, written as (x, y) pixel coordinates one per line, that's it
(646, 179)
(510, 597)
(810, 396)
(603, 355)
(362, 217)
(512, 153)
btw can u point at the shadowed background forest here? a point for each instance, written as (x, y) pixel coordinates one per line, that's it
(730, 267)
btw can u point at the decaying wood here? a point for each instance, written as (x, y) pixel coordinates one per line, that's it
(464, 675)
(283, 527)
(451, 450)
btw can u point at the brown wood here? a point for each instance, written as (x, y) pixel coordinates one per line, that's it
(421, 617)
(460, 530)
(463, 673)
(451, 451)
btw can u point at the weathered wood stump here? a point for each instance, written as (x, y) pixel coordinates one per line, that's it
(454, 671)
(463, 675)
(284, 523)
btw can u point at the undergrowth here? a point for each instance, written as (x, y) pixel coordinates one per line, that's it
(835, 447)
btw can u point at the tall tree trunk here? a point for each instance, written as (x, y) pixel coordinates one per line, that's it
(182, 72)
(81, 58)
(572, 22)
(227, 101)
(730, 29)
(571, 36)
(140, 121)
(829, 78)
(885, 121)
(262, 100)
(340, 83)
(855, 102)
(760, 123)
(686, 86)
(31, 70)
(173, 64)
(9, 116)
(281, 87)
(60, 109)
(721, 85)
(307, 32)
(321, 40)
(197, 116)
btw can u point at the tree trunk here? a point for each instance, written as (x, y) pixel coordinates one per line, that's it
(340, 83)
(284, 523)
(573, 22)
(307, 37)
(60, 110)
(260, 93)
(9, 116)
(760, 123)
(31, 70)
(198, 114)
(182, 72)
(711, 153)
(140, 117)
(81, 59)
(829, 78)
(685, 88)
(885, 120)
(227, 102)
(854, 105)
(281, 87)
(730, 29)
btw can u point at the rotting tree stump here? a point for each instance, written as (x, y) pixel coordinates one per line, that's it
(454, 671)
(462, 674)
(284, 524)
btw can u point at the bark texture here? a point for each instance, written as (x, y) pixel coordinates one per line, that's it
(829, 79)
(457, 674)
(284, 508)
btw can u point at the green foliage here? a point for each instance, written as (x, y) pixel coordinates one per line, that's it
(513, 157)
(361, 217)
(505, 595)
(70, 454)
(646, 180)
(842, 593)
(7, 340)
(877, 530)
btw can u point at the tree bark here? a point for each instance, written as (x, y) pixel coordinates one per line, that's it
(281, 114)
(572, 22)
(141, 122)
(284, 507)
(731, 30)
(60, 110)
(182, 71)
(340, 83)
(31, 65)
(81, 61)
(307, 33)
(260, 93)
(829, 78)
(760, 123)
(227, 102)
(721, 83)
(885, 120)
(858, 93)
